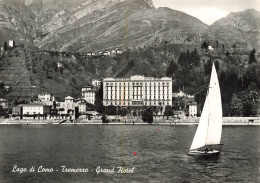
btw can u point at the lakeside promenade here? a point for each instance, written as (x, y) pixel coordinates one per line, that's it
(188, 121)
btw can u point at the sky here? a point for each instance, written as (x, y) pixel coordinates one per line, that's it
(208, 11)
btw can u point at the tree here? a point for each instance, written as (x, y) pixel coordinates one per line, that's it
(253, 95)
(227, 53)
(195, 57)
(61, 70)
(236, 105)
(148, 115)
(252, 58)
(207, 67)
(99, 105)
(123, 112)
(99, 99)
(168, 111)
(5, 46)
(204, 45)
(111, 110)
(248, 108)
(173, 67)
(2, 90)
(104, 119)
(2, 112)
(217, 65)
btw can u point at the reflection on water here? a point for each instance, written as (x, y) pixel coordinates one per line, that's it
(158, 153)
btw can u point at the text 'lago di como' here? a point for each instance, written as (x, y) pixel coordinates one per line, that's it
(65, 169)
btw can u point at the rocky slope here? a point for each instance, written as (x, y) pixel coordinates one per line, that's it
(91, 25)
(242, 28)
(86, 25)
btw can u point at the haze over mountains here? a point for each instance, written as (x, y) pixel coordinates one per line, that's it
(91, 25)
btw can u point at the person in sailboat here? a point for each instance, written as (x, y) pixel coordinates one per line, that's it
(206, 150)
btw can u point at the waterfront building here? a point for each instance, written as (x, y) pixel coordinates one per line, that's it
(82, 107)
(68, 106)
(4, 103)
(88, 93)
(193, 109)
(36, 108)
(17, 110)
(137, 91)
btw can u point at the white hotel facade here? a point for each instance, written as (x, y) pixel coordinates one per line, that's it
(137, 91)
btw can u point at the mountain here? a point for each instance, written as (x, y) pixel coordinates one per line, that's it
(91, 25)
(242, 28)
(17, 22)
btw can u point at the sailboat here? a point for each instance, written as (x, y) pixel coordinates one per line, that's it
(208, 133)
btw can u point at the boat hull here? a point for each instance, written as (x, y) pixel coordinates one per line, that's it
(203, 153)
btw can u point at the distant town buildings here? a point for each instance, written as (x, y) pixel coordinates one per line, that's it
(11, 43)
(107, 53)
(36, 108)
(59, 65)
(46, 98)
(182, 94)
(118, 51)
(88, 93)
(2, 51)
(137, 91)
(210, 48)
(17, 110)
(96, 82)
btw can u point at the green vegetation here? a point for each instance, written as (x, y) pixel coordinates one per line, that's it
(148, 115)
(63, 73)
(238, 76)
(168, 111)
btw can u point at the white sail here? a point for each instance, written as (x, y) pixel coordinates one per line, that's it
(210, 126)
(201, 133)
(215, 110)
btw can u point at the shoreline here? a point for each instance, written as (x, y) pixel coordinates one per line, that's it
(227, 121)
(135, 123)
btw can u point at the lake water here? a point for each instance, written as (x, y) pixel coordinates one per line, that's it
(158, 153)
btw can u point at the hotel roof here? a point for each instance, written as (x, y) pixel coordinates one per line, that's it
(138, 78)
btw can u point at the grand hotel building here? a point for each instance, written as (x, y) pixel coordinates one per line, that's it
(137, 91)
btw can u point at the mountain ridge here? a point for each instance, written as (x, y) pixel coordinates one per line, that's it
(92, 25)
